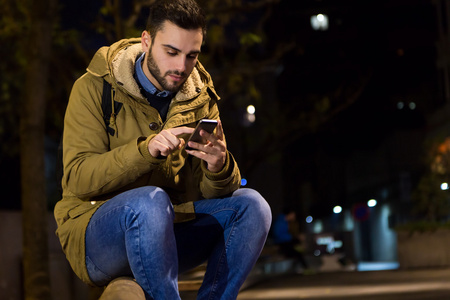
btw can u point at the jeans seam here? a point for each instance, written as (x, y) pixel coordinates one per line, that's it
(142, 269)
(224, 252)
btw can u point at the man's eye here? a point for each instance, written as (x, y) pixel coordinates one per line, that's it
(172, 53)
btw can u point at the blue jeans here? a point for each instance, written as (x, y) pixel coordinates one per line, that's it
(133, 234)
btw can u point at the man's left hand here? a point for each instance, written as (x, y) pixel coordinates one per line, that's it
(214, 151)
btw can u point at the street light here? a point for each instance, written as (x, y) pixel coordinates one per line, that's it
(251, 109)
(250, 115)
(319, 22)
(372, 203)
(337, 209)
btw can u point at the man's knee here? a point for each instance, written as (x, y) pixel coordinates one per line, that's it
(149, 201)
(256, 206)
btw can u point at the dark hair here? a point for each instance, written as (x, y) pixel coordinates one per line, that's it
(186, 14)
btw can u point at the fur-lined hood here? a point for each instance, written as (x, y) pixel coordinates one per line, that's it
(118, 63)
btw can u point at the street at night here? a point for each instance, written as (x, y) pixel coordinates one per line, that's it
(334, 136)
(417, 284)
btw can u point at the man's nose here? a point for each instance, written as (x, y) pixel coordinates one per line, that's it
(181, 64)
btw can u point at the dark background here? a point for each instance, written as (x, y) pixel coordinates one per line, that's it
(326, 108)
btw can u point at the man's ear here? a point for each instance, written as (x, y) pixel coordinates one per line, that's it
(146, 41)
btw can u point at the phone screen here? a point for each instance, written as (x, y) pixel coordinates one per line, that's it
(205, 124)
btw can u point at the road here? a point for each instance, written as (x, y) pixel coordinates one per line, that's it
(421, 284)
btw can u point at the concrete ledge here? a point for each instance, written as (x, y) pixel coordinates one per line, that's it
(189, 285)
(126, 288)
(423, 249)
(123, 288)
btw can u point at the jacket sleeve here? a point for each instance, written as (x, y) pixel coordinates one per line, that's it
(225, 182)
(90, 167)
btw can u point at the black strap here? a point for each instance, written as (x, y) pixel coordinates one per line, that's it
(107, 106)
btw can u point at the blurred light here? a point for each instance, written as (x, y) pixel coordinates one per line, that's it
(412, 105)
(319, 22)
(400, 105)
(243, 182)
(251, 109)
(251, 118)
(309, 219)
(348, 221)
(337, 209)
(338, 244)
(444, 186)
(327, 241)
(317, 252)
(317, 226)
(371, 203)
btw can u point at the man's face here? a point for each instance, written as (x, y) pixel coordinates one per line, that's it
(171, 56)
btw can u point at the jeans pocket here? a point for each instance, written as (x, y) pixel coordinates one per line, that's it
(97, 276)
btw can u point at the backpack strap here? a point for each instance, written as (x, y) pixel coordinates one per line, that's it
(107, 106)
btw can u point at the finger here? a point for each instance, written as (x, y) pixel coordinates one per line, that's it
(169, 139)
(181, 130)
(214, 141)
(156, 148)
(211, 137)
(219, 130)
(214, 161)
(182, 143)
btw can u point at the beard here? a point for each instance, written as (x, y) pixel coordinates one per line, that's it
(161, 79)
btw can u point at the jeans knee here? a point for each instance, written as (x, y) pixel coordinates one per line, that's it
(150, 202)
(257, 207)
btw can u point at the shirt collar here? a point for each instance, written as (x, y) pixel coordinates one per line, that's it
(145, 82)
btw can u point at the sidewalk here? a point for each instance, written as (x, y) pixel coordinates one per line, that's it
(417, 284)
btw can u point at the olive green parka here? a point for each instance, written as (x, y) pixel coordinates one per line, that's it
(98, 166)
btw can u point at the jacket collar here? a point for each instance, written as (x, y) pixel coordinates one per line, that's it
(118, 62)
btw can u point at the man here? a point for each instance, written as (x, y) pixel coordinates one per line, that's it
(285, 235)
(136, 202)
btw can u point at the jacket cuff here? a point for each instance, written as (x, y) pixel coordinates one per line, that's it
(143, 149)
(226, 171)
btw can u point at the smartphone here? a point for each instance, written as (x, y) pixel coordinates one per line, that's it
(205, 124)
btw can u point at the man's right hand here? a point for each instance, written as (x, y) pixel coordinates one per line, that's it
(167, 141)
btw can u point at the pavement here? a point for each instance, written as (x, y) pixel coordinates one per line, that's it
(416, 284)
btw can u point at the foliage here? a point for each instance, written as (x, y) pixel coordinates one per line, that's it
(431, 203)
(12, 24)
(440, 159)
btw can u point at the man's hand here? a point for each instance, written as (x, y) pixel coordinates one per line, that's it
(168, 141)
(213, 152)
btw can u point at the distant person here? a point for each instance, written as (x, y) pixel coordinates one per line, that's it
(287, 238)
(135, 201)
